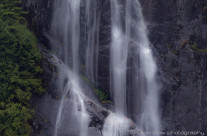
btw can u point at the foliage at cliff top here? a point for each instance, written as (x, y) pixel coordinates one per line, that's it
(20, 75)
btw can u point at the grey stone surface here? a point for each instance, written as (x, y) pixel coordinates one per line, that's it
(183, 69)
(170, 24)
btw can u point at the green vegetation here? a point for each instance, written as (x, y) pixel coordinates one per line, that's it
(20, 74)
(195, 48)
(102, 96)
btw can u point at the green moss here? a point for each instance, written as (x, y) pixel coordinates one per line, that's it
(195, 48)
(102, 96)
(107, 102)
(20, 76)
(85, 78)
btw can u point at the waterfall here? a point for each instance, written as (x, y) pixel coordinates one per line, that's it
(65, 38)
(92, 40)
(118, 64)
(71, 90)
(116, 125)
(132, 67)
(132, 37)
(150, 120)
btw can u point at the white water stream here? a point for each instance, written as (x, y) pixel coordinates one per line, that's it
(65, 30)
(148, 120)
(127, 29)
(92, 27)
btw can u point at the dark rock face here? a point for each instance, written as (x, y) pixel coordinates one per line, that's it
(174, 27)
(46, 106)
(39, 17)
(104, 46)
(103, 30)
(43, 122)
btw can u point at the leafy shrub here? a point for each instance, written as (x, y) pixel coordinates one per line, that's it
(20, 75)
(102, 96)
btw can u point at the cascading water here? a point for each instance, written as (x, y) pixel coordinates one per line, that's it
(119, 50)
(150, 120)
(64, 37)
(71, 91)
(133, 34)
(128, 33)
(117, 123)
(92, 40)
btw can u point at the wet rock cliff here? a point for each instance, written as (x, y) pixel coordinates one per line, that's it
(178, 33)
(46, 106)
